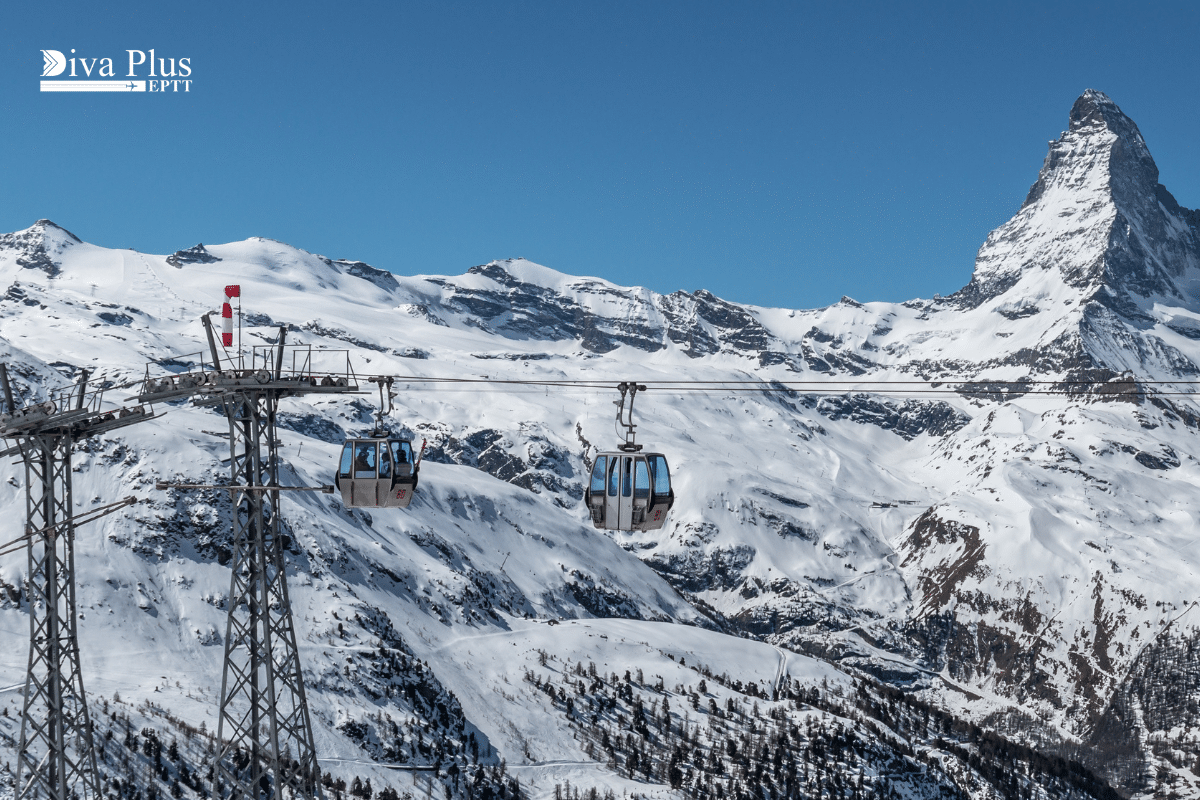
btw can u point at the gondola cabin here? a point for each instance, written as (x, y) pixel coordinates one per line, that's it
(630, 491)
(377, 472)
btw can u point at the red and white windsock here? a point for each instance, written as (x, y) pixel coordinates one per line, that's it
(231, 291)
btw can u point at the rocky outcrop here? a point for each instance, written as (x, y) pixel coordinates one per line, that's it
(380, 277)
(38, 247)
(193, 255)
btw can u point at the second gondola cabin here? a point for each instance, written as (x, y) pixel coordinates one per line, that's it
(377, 472)
(629, 491)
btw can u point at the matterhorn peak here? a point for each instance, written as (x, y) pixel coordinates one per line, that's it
(1095, 110)
(1097, 121)
(1096, 224)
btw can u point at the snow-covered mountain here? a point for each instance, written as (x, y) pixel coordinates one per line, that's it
(1016, 559)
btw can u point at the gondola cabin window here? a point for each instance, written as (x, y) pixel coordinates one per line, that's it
(641, 479)
(598, 474)
(402, 452)
(662, 475)
(364, 460)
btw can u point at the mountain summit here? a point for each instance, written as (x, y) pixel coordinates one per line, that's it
(1096, 220)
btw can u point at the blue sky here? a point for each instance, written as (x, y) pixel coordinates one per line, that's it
(774, 153)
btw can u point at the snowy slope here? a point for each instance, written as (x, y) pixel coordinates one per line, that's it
(448, 584)
(1006, 556)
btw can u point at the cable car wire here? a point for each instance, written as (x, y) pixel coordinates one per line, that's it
(974, 388)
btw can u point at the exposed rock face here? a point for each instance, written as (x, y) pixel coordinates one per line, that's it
(1063, 290)
(1100, 235)
(39, 246)
(534, 463)
(193, 255)
(512, 305)
(908, 419)
(381, 278)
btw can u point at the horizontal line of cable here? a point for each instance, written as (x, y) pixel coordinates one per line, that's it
(768, 384)
(941, 388)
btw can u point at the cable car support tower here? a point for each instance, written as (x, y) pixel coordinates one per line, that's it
(55, 759)
(264, 725)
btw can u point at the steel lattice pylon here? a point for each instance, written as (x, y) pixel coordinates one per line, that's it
(55, 759)
(264, 724)
(267, 746)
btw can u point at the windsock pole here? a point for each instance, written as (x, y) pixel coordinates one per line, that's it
(231, 291)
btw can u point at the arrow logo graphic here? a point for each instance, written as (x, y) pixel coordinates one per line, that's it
(53, 63)
(93, 86)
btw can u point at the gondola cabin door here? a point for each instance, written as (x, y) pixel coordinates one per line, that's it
(615, 511)
(363, 488)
